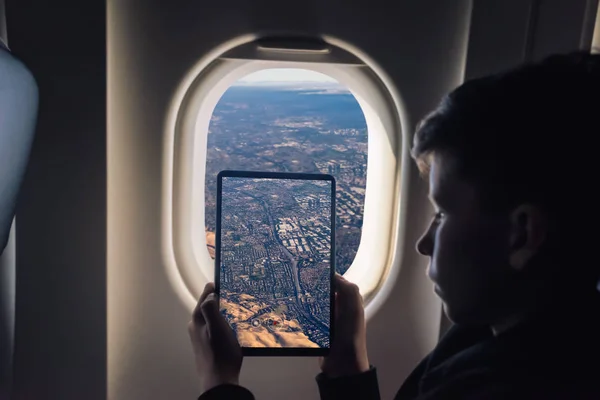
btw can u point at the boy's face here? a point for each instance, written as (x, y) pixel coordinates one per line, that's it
(469, 250)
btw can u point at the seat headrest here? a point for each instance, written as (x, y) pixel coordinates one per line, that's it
(18, 115)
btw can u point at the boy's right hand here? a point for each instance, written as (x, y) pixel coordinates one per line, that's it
(348, 354)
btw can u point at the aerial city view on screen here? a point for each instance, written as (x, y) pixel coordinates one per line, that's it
(275, 261)
(295, 121)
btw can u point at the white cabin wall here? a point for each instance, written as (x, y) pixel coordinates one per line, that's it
(505, 33)
(562, 26)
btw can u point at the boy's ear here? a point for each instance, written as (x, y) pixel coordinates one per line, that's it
(528, 232)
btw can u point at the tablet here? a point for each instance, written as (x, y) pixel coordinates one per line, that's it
(274, 260)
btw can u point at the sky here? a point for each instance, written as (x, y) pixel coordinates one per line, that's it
(274, 75)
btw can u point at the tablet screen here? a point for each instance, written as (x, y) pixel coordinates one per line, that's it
(275, 252)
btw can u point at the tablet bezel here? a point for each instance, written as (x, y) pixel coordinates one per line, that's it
(280, 351)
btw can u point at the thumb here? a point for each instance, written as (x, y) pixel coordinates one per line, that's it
(348, 295)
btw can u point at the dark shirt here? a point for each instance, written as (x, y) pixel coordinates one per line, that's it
(553, 356)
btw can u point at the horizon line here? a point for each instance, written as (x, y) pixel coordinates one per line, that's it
(287, 83)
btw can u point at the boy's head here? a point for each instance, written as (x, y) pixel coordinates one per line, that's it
(511, 161)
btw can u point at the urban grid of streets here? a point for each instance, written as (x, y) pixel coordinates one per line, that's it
(293, 130)
(275, 261)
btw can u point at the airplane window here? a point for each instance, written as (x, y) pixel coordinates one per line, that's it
(292, 120)
(263, 107)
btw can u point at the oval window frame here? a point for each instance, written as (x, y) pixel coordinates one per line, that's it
(187, 261)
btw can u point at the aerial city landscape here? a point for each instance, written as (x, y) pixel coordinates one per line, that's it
(315, 127)
(275, 261)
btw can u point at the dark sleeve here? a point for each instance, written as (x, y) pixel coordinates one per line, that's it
(227, 392)
(360, 387)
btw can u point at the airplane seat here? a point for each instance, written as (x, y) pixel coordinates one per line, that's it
(18, 112)
(18, 115)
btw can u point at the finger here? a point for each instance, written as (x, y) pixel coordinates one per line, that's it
(345, 288)
(348, 295)
(341, 284)
(208, 289)
(321, 360)
(215, 321)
